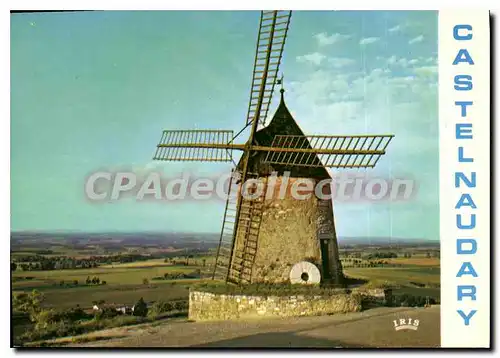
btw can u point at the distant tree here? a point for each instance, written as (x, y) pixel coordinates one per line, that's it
(187, 259)
(75, 282)
(141, 308)
(106, 312)
(61, 283)
(29, 303)
(145, 281)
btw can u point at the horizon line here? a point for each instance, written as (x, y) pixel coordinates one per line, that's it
(187, 232)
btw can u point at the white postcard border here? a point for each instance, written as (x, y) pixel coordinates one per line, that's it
(464, 147)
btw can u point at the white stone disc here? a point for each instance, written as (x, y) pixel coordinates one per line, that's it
(305, 273)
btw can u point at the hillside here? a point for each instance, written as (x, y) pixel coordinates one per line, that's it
(368, 329)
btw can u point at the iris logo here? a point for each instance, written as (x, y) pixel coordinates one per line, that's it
(406, 324)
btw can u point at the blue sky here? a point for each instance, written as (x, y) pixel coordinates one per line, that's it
(92, 91)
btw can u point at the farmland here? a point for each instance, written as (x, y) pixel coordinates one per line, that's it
(112, 275)
(125, 282)
(424, 275)
(119, 274)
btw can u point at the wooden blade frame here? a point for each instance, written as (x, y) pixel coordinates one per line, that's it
(194, 145)
(358, 151)
(362, 151)
(273, 30)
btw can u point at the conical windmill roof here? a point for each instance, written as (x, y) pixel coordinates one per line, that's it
(282, 123)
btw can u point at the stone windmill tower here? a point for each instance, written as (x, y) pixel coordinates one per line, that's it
(265, 229)
(290, 229)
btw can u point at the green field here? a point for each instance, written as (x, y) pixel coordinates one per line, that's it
(112, 275)
(125, 281)
(407, 279)
(115, 294)
(124, 284)
(397, 275)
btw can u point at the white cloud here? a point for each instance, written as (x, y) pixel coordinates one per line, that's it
(364, 102)
(326, 100)
(401, 61)
(368, 40)
(417, 39)
(406, 27)
(339, 62)
(314, 58)
(426, 70)
(392, 60)
(404, 62)
(324, 39)
(395, 28)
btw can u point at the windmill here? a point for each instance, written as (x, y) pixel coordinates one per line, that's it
(264, 235)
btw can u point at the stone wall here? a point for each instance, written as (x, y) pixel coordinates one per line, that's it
(375, 296)
(209, 306)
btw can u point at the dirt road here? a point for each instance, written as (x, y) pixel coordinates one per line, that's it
(368, 329)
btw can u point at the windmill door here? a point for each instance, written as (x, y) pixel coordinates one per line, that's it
(325, 258)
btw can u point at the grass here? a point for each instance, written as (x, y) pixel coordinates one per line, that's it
(418, 261)
(112, 275)
(37, 336)
(402, 276)
(417, 291)
(139, 264)
(124, 285)
(59, 342)
(118, 294)
(112, 328)
(125, 282)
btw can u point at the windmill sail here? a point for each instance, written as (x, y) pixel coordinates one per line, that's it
(195, 145)
(270, 43)
(360, 151)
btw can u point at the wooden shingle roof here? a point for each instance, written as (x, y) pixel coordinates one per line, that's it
(282, 123)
